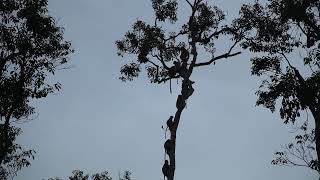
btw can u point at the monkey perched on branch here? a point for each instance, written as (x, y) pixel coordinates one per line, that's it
(184, 55)
(167, 170)
(187, 89)
(181, 103)
(169, 147)
(170, 123)
(173, 70)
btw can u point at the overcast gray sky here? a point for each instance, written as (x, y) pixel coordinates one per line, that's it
(99, 123)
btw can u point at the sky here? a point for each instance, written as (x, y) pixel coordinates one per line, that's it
(96, 122)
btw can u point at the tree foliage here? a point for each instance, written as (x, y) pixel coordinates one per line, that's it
(276, 30)
(156, 50)
(31, 48)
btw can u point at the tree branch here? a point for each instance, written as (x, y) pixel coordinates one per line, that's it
(175, 36)
(189, 3)
(167, 79)
(225, 55)
(216, 33)
(160, 58)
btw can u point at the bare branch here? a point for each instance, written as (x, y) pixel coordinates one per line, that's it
(173, 37)
(285, 57)
(167, 79)
(302, 30)
(189, 4)
(225, 55)
(153, 63)
(216, 33)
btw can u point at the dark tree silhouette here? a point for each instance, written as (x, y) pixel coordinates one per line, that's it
(300, 152)
(80, 175)
(31, 48)
(174, 55)
(278, 29)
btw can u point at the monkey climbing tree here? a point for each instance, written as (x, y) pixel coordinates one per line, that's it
(174, 55)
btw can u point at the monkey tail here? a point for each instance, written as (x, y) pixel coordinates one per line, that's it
(170, 87)
(165, 133)
(165, 137)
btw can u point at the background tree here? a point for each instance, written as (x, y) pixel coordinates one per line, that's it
(31, 48)
(174, 55)
(80, 175)
(277, 30)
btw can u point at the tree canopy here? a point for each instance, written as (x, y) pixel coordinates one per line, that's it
(31, 48)
(277, 30)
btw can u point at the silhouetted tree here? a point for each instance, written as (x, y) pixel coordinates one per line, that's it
(80, 175)
(31, 48)
(278, 29)
(174, 55)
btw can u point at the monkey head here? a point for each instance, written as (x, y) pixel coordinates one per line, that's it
(170, 123)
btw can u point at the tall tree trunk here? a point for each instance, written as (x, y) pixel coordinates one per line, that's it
(170, 149)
